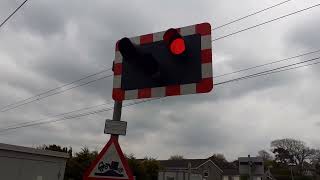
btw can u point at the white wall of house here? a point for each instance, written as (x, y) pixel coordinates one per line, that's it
(236, 177)
(178, 175)
(231, 178)
(22, 163)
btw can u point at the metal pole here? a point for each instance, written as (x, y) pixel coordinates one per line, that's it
(291, 173)
(117, 110)
(117, 114)
(189, 170)
(250, 164)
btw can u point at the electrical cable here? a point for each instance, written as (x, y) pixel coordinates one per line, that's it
(269, 63)
(272, 72)
(9, 107)
(58, 115)
(249, 15)
(59, 92)
(73, 116)
(16, 10)
(267, 71)
(263, 73)
(57, 88)
(266, 22)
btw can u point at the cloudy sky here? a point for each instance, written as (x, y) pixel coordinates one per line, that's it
(50, 43)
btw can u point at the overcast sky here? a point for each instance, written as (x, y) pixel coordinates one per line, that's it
(50, 43)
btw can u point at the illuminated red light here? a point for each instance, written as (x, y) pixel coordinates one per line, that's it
(174, 41)
(177, 46)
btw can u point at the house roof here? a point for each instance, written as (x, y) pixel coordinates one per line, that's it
(230, 172)
(222, 164)
(183, 163)
(9, 147)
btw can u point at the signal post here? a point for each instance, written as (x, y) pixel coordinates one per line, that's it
(169, 63)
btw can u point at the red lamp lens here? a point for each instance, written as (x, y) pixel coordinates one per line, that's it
(177, 46)
(174, 41)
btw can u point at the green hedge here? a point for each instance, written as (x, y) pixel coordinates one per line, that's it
(285, 177)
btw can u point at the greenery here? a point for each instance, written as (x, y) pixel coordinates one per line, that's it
(244, 177)
(219, 157)
(79, 163)
(176, 157)
(143, 169)
(284, 155)
(292, 152)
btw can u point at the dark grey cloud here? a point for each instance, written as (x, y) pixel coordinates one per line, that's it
(49, 43)
(306, 33)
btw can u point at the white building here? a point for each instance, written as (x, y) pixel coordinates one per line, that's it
(23, 163)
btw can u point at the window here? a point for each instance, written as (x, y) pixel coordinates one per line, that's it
(205, 173)
(236, 178)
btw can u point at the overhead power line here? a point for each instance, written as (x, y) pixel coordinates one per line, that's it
(38, 96)
(18, 104)
(263, 73)
(252, 14)
(16, 10)
(282, 70)
(51, 90)
(134, 103)
(266, 22)
(267, 71)
(269, 63)
(59, 115)
(72, 116)
(59, 92)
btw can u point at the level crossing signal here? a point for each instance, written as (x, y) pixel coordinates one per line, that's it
(177, 61)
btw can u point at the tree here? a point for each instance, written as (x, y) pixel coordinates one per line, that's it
(219, 157)
(79, 163)
(145, 169)
(266, 156)
(151, 167)
(176, 157)
(136, 167)
(316, 161)
(282, 156)
(53, 147)
(291, 151)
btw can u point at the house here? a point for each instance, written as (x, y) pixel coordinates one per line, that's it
(252, 166)
(197, 169)
(18, 162)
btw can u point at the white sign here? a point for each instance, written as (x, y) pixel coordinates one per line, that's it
(115, 127)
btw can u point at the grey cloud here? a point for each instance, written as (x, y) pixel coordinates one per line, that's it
(43, 18)
(306, 36)
(306, 33)
(58, 42)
